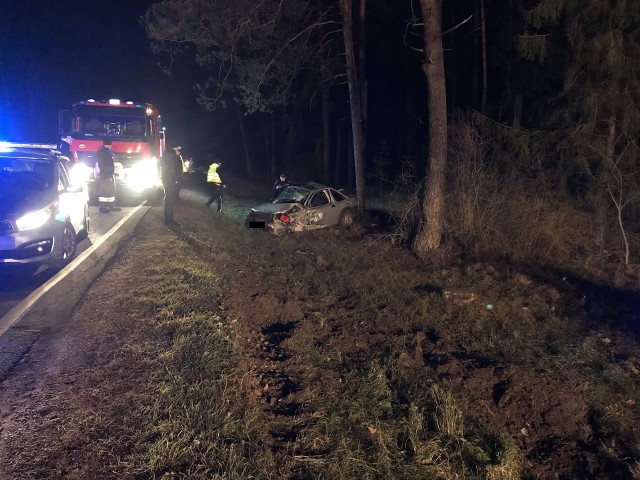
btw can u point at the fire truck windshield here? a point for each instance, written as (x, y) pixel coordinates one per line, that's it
(111, 126)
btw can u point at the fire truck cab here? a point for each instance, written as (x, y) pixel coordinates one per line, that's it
(137, 141)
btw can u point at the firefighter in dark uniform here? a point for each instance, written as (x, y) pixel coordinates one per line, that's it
(171, 170)
(106, 179)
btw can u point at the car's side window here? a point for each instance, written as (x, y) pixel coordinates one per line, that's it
(337, 196)
(320, 198)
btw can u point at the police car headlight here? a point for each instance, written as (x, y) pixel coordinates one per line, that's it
(35, 219)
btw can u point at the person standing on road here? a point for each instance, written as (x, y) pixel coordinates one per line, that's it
(106, 179)
(215, 184)
(171, 171)
(280, 184)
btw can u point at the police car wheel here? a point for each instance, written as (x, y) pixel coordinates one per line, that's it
(69, 244)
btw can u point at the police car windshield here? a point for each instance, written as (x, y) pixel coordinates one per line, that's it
(25, 174)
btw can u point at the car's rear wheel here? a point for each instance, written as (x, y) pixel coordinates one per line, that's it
(347, 218)
(69, 244)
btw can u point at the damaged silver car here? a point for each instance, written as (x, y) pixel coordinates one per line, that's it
(304, 207)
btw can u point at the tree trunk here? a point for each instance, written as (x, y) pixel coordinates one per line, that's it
(517, 111)
(350, 160)
(362, 75)
(483, 31)
(429, 231)
(247, 157)
(326, 137)
(290, 147)
(272, 147)
(476, 74)
(338, 160)
(346, 7)
(605, 178)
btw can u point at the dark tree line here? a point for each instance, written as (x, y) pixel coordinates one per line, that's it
(313, 77)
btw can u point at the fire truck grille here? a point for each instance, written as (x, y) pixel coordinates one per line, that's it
(88, 158)
(127, 159)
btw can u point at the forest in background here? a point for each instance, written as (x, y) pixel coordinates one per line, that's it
(542, 107)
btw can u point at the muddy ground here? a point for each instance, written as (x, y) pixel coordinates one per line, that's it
(46, 402)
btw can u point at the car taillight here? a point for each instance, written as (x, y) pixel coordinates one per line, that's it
(284, 218)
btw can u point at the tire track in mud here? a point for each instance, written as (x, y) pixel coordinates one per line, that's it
(265, 324)
(264, 318)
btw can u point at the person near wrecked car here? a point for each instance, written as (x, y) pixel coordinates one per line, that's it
(214, 181)
(171, 170)
(105, 170)
(280, 184)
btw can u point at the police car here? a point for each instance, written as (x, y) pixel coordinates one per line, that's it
(43, 213)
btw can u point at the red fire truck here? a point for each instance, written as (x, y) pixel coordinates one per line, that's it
(136, 134)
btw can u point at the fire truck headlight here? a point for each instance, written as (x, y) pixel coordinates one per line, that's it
(143, 174)
(80, 173)
(35, 219)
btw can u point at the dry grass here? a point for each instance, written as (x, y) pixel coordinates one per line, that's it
(375, 330)
(532, 324)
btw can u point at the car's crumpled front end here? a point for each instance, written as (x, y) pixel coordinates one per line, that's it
(301, 208)
(274, 217)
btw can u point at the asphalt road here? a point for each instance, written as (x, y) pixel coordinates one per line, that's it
(35, 303)
(17, 282)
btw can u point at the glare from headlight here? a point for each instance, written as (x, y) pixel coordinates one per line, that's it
(80, 173)
(35, 219)
(143, 175)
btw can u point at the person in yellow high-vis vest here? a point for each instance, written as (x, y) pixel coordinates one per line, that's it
(215, 184)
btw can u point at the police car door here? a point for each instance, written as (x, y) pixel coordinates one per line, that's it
(73, 199)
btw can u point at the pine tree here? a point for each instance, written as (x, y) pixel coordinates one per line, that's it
(592, 47)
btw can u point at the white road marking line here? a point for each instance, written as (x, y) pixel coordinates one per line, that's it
(17, 312)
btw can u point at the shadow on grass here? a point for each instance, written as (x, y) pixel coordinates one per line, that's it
(599, 303)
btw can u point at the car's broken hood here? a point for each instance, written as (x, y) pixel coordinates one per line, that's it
(274, 207)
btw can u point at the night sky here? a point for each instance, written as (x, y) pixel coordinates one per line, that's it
(56, 52)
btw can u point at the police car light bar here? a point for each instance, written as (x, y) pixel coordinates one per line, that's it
(42, 146)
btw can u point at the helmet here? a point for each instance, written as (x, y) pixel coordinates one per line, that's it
(106, 142)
